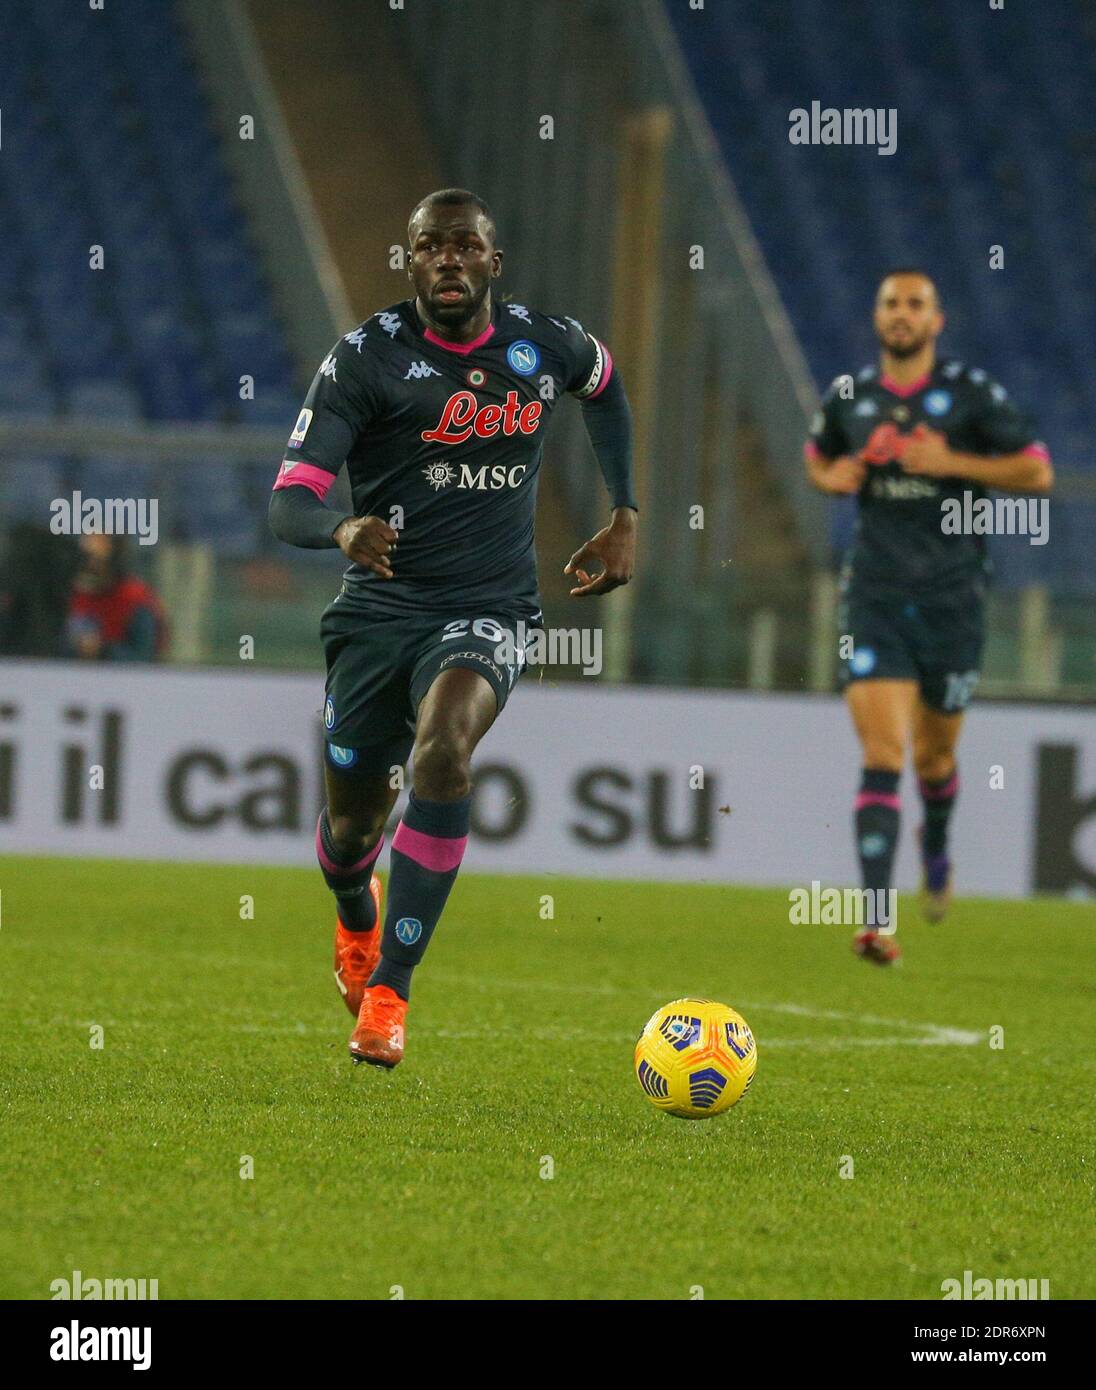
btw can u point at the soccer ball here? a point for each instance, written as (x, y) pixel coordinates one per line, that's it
(695, 1058)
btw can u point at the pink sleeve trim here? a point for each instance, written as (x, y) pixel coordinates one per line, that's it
(1037, 450)
(812, 452)
(293, 473)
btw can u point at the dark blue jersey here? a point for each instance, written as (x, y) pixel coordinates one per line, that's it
(444, 441)
(900, 545)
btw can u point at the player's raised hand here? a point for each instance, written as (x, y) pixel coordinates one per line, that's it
(368, 541)
(844, 476)
(614, 547)
(927, 453)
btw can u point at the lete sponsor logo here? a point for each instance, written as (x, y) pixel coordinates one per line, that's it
(462, 417)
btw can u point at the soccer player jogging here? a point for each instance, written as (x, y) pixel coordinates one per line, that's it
(910, 438)
(437, 405)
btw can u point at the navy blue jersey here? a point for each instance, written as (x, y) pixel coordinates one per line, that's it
(899, 545)
(444, 442)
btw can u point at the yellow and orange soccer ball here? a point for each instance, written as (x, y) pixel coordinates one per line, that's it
(695, 1058)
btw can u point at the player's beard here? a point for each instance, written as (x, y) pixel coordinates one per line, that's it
(909, 348)
(457, 315)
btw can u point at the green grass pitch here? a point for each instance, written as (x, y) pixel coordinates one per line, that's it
(225, 1038)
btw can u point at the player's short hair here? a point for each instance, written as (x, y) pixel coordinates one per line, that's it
(454, 197)
(911, 270)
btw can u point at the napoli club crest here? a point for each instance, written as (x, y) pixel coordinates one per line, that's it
(523, 357)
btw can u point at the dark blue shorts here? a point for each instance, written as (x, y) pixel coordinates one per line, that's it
(937, 643)
(380, 667)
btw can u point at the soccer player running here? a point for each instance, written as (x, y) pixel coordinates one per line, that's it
(907, 438)
(438, 406)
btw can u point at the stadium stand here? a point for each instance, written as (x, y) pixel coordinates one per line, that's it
(831, 218)
(130, 163)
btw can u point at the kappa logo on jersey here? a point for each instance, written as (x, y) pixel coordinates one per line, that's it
(328, 365)
(938, 402)
(461, 418)
(390, 323)
(438, 475)
(519, 311)
(418, 370)
(300, 429)
(356, 338)
(523, 357)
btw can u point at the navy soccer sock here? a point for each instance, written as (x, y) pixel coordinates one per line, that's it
(427, 849)
(939, 800)
(348, 877)
(877, 814)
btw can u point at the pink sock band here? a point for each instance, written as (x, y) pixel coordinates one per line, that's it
(344, 870)
(431, 851)
(931, 793)
(891, 799)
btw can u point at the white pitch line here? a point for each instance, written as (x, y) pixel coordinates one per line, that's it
(936, 1037)
(933, 1034)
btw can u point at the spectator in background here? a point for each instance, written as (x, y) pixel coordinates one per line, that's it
(36, 577)
(113, 615)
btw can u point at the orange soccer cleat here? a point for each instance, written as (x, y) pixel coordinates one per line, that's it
(378, 1038)
(880, 950)
(357, 954)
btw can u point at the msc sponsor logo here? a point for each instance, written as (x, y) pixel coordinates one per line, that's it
(462, 417)
(438, 475)
(490, 479)
(486, 478)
